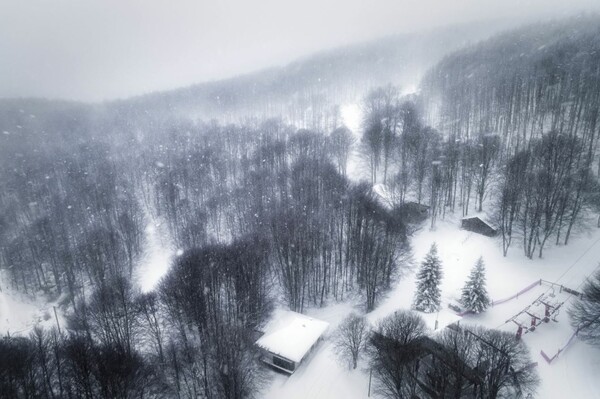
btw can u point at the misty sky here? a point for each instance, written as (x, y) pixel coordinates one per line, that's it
(102, 49)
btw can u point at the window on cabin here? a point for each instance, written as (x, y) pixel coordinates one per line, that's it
(284, 364)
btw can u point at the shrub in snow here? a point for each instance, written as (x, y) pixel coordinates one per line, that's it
(585, 313)
(351, 338)
(427, 297)
(474, 295)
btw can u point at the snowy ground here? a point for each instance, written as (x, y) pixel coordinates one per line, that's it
(573, 373)
(19, 314)
(156, 259)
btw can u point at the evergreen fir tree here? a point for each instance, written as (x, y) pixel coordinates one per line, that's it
(474, 295)
(427, 297)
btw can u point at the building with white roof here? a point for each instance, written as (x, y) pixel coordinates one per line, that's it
(289, 339)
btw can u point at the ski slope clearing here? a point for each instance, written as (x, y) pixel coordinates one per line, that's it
(572, 374)
(156, 260)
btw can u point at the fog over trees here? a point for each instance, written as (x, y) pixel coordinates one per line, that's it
(265, 212)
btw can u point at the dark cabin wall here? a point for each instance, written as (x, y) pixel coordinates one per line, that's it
(477, 225)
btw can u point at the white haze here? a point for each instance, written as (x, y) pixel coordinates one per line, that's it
(94, 50)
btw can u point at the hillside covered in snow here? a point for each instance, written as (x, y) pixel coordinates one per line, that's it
(410, 217)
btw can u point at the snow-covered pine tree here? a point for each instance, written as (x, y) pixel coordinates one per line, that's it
(427, 296)
(474, 294)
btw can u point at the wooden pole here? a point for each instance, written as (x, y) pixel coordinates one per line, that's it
(56, 317)
(370, 375)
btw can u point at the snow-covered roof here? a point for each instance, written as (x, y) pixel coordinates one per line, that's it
(292, 336)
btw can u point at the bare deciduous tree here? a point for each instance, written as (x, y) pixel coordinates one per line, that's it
(341, 141)
(585, 312)
(505, 364)
(351, 338)
(393, 347)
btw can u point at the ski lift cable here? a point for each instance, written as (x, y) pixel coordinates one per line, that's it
(556, 282)
(582, 283)
(577, 260)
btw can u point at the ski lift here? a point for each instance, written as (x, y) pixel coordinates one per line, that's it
(555, 314)
(549, 309)
(534, 321)
(521, 329)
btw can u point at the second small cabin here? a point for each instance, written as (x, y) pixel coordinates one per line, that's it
(479, 225)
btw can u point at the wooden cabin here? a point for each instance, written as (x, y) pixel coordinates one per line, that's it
(479, 225)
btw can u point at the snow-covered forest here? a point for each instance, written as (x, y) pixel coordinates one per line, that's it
(434, 197)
